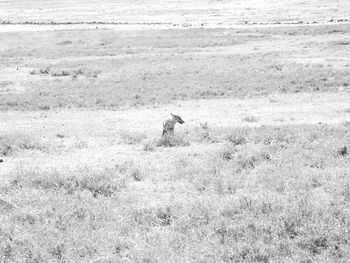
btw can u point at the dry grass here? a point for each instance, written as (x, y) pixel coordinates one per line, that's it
(98, 71)
(207, 194)
(250, 118)
(15, 142)
(130, 137)
(277, 194)
(173, 141)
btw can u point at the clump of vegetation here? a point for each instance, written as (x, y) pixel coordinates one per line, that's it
(5, 206)
(250, 160)
(81, 145)
(43, 71)
(228, 151)
(250, 118)
(206, 134)
(60, 73)
(130, 170)
(96, 73)
(103, 182)
(282, 136)
(343, 151)
(172, 141)
(153, 217)
(65, 43)
(237, 136)
(12, 143)
(149, 145)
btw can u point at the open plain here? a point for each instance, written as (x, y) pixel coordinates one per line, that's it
(259, 171)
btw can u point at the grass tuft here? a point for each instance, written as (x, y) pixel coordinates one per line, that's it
(237, 136)
(105, 182)
(250, 119)
(13, 143)
(149, 145)
(172, 141)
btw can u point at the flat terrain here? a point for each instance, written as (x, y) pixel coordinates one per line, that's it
(116, 69)
(96, 138)
(174, 13)
(259, 172)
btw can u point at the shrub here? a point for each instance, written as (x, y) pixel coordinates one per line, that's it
(172, 141)
(227, 152)
(103, 182)
(250, 119)
(237, 136)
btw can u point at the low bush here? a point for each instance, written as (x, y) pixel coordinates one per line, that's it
(172, 141)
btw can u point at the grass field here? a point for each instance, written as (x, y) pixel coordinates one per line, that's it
(259, 172)
(113, 69)
(229, 195)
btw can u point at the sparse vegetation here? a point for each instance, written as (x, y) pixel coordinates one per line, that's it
(250, 118)
(15, 142)
(131, 137)
(61, 73)
(111, 77)
(228, 151)
(43, 71)
(172, 140)
(237, 136)
(149, 145)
